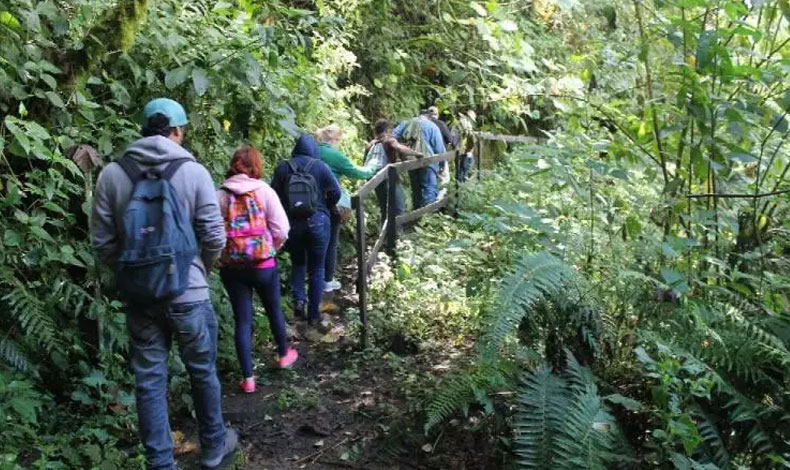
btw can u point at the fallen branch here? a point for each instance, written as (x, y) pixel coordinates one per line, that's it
(733, 196)
(314, 456)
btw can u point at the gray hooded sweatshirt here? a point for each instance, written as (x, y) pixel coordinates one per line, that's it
(191, 182)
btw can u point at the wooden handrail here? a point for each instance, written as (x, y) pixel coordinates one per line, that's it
(389, 229)
(521, 139)
(372, 183)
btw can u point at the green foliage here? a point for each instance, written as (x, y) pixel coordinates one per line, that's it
(464, 388)
(562, 422)
(536, 278)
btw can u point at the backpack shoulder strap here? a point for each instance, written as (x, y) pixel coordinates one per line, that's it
(309, 165)
(172, 167)
(130, 168)
(292, 166)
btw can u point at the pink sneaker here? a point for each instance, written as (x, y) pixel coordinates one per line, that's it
(247, 385)
(288, 360)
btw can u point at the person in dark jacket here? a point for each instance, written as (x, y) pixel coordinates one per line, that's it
(309, 236)
(447, 136)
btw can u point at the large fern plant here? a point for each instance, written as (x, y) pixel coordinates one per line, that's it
(541, 304)
(563, 423)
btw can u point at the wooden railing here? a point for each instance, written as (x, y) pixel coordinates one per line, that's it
(389, 230)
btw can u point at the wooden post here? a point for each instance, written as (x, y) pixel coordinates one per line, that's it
(458, 163)
(392, 213)
(362, 271)
(479, 157)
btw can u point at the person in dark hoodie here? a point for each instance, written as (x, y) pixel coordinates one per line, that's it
(189, 317)
(309, 236)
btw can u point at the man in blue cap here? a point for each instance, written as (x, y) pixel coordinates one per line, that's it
(185, 199)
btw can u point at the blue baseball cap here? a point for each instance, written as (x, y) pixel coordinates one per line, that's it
(173, 111)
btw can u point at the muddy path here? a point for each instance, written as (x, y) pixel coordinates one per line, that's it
(338, 407)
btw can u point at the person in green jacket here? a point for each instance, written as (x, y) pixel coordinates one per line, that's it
(328, 138)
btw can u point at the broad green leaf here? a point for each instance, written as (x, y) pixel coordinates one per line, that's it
(706, 49)
(42, 234)
(200, 81)
(49, 80)
(9, 20)
(176, 77)
(95, 379)
(670, 276)
(55, 99)
(11, 238)
(25, 408)
(478, 8)
(508, 25)
(742, 157)
(628, 403)
(13, 126)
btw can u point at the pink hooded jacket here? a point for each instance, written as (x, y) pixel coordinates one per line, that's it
(276, 219)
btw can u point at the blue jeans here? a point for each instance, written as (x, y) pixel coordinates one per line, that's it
(240, 284)
(331, 250)
(466, 164)
(382, 194)
(424, 182)
(307, 243)
(151, 329)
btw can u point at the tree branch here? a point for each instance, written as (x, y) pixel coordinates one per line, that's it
(736, 196)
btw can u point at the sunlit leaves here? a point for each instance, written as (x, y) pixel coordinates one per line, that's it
(200, 81)
(176, 77)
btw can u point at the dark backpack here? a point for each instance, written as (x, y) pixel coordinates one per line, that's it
(159, 243)
(303, 193)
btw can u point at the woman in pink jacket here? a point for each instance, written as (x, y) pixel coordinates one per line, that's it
(257, 226)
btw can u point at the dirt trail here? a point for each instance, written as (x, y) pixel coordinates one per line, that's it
(339, 407)
(327, 412)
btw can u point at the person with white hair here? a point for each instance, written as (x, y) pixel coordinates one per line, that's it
(329, 138)
(466, 124)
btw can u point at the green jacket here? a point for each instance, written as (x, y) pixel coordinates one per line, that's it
(341, 165)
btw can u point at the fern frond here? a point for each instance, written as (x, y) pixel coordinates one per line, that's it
(579, 377)
(29, 311)
(585, 440)
(710, 434)
(563, 424)
(10, 354)
(542, 401)
(463, 389)
(535, 277)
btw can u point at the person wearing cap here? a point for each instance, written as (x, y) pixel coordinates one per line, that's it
(466, 124)
(447, 138)
(189, 318)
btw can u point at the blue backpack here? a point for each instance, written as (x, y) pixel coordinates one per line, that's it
(159, 243)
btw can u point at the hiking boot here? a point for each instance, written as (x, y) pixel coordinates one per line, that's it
(332, 286)
(300, 310)
(285, 362)
(214, 458)
(247, 385)
(311, 333)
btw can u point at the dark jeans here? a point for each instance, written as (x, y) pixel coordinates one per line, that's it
(194, 326)
(465, 166)
(307, 244)
(382, 194)
(331, 250)
(424, 185)
(240, 284)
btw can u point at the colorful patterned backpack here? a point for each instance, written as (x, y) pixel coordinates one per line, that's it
(249, 239)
